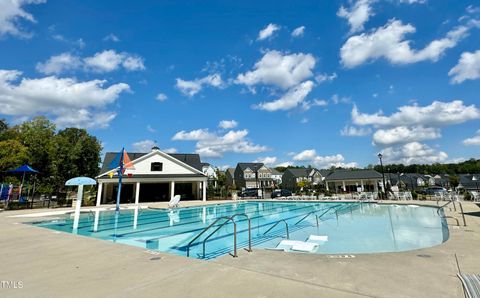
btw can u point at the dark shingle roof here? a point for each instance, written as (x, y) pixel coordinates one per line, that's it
(299, 172)
(254, 166)
(353, 175)
(192, 160)
(275, 172)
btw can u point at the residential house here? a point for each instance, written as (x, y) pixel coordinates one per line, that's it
(470, 182)
(155, 176)
(414, 181)
(245, 175)
(354, 181)
(276, 177)
(211, 173)
(292, 176)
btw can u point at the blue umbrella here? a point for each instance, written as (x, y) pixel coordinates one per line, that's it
(24, 169)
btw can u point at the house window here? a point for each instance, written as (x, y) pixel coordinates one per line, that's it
(156, 167)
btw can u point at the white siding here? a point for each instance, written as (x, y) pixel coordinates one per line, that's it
(169, 167)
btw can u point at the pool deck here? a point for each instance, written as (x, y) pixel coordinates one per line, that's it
(53, 264)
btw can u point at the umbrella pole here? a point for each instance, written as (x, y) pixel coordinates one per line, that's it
(33, 192)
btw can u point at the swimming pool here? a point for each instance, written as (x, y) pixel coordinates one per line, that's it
(342, 227)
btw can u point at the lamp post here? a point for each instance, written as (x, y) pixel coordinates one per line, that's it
(380, 156)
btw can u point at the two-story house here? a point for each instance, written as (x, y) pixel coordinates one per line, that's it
(253, 175)
(211, 173)
(293, 176)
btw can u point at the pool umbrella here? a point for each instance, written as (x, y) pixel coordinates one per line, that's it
(25, 169)
(80, 182)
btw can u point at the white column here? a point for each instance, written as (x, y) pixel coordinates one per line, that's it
(172, 189)
(383, 186)
(78, 205)
(99, 194)
(204, 191)
(199, 190)
(343, 186)
(361, 184)
(137, 193)
(326, 185)
(97, 217)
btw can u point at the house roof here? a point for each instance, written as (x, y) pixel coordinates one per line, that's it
(192, 160)
(469, 181)
(353, 175)
(254, 166)
(231, 171)
(299, 172)
(275, 172)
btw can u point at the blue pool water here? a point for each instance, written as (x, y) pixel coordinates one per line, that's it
(350, 227)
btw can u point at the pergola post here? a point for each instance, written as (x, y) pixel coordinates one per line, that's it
(172, 189)
(204, 191)
(99, 193)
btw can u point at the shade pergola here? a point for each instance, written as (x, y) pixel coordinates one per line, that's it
(25, 169)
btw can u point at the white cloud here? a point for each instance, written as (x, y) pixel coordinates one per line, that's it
(389, 42)
(279, 69)
(267, 160)
(105, 61)
(413, 153)
(60, 63)
(475, 140)
(299, 31)
(161, 97)
(325, 77)
(211, 144)
(307, 105)
(11, 13)
(111, 37)
(289, 100)
(467, 68)
(404, 134)
(143, 146)
(357, 15)
(190, 88)
(110, 60)
(151, 129)
(228, 124)
(413, 1)
(352, 131)
(285, 164)
(170, 150)
(69, 101)
(328, 161)
(267, 31)
(436, 114)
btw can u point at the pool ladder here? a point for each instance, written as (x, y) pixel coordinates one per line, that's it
(227, 220)
(461, 210)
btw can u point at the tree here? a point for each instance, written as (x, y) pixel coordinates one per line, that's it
(12, 155)
(76, 154)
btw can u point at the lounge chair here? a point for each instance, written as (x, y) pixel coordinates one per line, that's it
(471, 284)
(174, 202)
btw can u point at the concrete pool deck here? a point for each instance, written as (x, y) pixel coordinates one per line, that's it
(53, 264)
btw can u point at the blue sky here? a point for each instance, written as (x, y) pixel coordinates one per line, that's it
(311, 82)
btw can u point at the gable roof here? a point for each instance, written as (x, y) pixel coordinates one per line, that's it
(275, 172)
(353, 175)
(299, 172)
(230, 171)
(254, 166)
(192, 160)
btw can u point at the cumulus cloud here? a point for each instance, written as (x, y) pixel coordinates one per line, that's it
(352, 131)
(289, 100)
(267, 160)
(66, 99)
(190, 88)
(325, 77)
(357, 15)
(475, 140)
(404, 134)
(267, 31)
(228, 124)
(170, 150)
(105, 61)
(285, 164)
(467, 68)
(11, 15)
(161, 97)
(308, 104)
(216, 144)
(298, 32)
(279, 69)
(311, 156)
(111, 37)
(413, 153)
(143, 146)
(389, 42)
(434, 115)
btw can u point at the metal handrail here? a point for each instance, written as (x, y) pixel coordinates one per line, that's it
(204, 230)
(449, 202)
(461, 210)
(234, 236)
(249, 229)
(306, 215)
(276, 223)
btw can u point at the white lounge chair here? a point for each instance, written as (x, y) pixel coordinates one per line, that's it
(174, 202)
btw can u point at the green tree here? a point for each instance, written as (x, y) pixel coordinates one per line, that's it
(12, 154)
(76, 154)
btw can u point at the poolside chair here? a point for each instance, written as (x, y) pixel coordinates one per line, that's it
(174, 202)
(471, 284)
